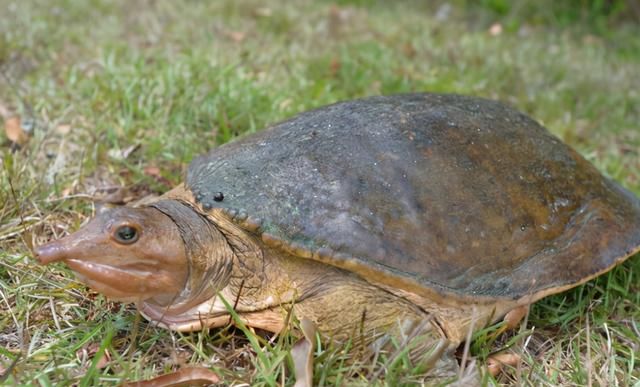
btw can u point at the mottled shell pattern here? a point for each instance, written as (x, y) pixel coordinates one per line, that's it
(457, 195)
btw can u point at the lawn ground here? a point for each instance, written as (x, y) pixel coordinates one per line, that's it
(112, 99)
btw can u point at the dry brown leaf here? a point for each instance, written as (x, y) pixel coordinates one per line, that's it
(5, 112)
(236, 36)
(334, 66)
(339, 15)
(14, 131)
(89, 351)
(285, 104)
(155, 172)
(67, 191)
(263, 12)
(409, 50)
(302, 353)
(191, 376)
(63, 129)
(104, 360)
(495, 29)
(123, 154)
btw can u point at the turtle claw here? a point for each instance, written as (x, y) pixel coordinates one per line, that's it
(511, 321)
(496, 362)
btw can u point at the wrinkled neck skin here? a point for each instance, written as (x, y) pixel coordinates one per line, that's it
(210, 260)
(224, 262)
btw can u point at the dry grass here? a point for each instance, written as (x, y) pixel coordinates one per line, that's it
(119, 96)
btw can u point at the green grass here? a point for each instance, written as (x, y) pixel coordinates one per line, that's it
(177, 78)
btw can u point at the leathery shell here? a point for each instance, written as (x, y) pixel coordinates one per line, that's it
(458, 195)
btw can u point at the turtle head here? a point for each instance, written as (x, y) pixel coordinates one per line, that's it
(126, 253)
(168, 257)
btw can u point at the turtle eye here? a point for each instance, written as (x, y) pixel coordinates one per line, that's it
(126, 235)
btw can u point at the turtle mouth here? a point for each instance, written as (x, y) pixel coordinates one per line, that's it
(131, 283)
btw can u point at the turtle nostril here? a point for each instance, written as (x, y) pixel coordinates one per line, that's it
(49, 252)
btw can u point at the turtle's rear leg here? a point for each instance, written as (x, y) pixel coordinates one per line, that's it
(392, 329)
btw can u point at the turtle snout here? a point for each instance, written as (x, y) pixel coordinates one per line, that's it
(50, 252)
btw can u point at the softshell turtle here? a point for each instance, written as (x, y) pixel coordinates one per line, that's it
(376, 216)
